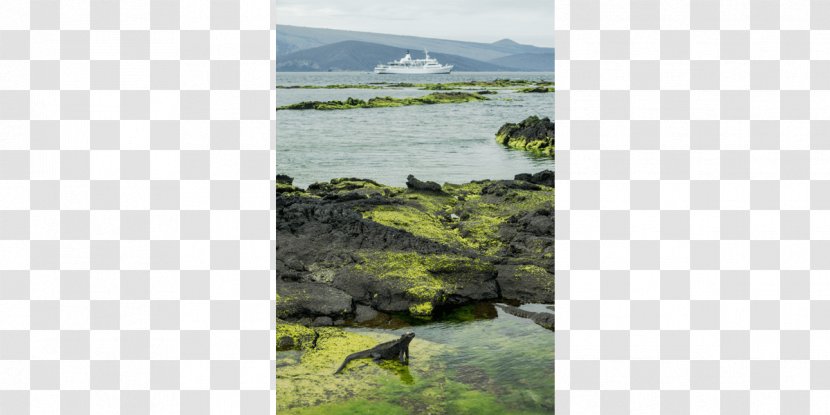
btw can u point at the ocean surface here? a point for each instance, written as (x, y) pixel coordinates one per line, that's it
(445, 143)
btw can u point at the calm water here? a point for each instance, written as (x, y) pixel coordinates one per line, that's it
(444, 143)
(491, 366)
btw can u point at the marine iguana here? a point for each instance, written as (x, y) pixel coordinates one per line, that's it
(395, 349)
(545, 320)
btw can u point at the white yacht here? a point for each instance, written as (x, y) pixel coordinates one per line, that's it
(407, 65)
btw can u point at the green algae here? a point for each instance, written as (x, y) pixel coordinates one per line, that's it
(544, 146)
(361, 406)
(294, 336)
(381, 102)
(477, 217)
(540, 276)
(309, 387)
(425, 278)
(288, 188)
(509, 372)
(416, 222)
(421, 310)
(542, 141)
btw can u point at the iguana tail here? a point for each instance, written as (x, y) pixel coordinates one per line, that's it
(349, 358)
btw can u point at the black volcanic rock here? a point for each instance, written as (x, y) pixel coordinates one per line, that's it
(415, 184)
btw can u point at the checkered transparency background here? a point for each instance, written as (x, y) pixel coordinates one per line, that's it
(136, 219)
(693, 159)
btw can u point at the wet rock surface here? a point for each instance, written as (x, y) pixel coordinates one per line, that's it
(349, 248)
(532, 134)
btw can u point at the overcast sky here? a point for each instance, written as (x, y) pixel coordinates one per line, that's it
(525, 21)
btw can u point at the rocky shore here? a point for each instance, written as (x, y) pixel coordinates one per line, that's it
(532, 134)
(351, 251)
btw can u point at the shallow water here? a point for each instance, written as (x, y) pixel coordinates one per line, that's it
(487, 366)
(444, 143)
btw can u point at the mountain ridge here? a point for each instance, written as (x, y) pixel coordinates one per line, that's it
(292, 39)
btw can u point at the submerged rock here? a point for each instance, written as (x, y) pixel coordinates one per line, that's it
(546, 320)
(533, 134)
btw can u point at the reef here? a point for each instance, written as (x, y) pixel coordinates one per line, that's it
(382, 102)
(538, 89)
(532, 134)
(351, 249)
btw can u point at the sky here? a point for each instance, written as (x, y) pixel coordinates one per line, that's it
(524, 21)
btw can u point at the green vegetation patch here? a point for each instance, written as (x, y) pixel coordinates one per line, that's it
(417, 222)
(294, 336)
(425, 278)
(379, 102)
(309, 386)
(460, 217)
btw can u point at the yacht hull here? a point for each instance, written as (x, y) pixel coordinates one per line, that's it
(393, 70)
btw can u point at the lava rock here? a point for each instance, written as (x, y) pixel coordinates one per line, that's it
(414, 184)
(311, 300)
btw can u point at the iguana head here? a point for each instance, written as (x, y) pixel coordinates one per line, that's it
(408, 336)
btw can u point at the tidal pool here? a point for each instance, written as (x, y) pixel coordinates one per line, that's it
(478, 360)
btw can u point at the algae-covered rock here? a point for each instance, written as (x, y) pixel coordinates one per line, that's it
(538, 89)
(312, 299)
(379, 102)
(526, 283)
(294, 336)
(405, 281)
(408, 250)
(533, 134)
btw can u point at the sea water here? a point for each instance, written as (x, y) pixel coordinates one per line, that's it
(444, 143)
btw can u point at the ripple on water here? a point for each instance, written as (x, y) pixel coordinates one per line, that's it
(444, 143)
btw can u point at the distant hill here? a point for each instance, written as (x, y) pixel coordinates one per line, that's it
(291, 39)
(542, 62)
(353, 55)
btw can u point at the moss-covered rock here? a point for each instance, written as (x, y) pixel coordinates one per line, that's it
(301, 299)
(294, 336)
(538, 89)
(532, 134)
(413, 251)
(408, 281)
(379, 102)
